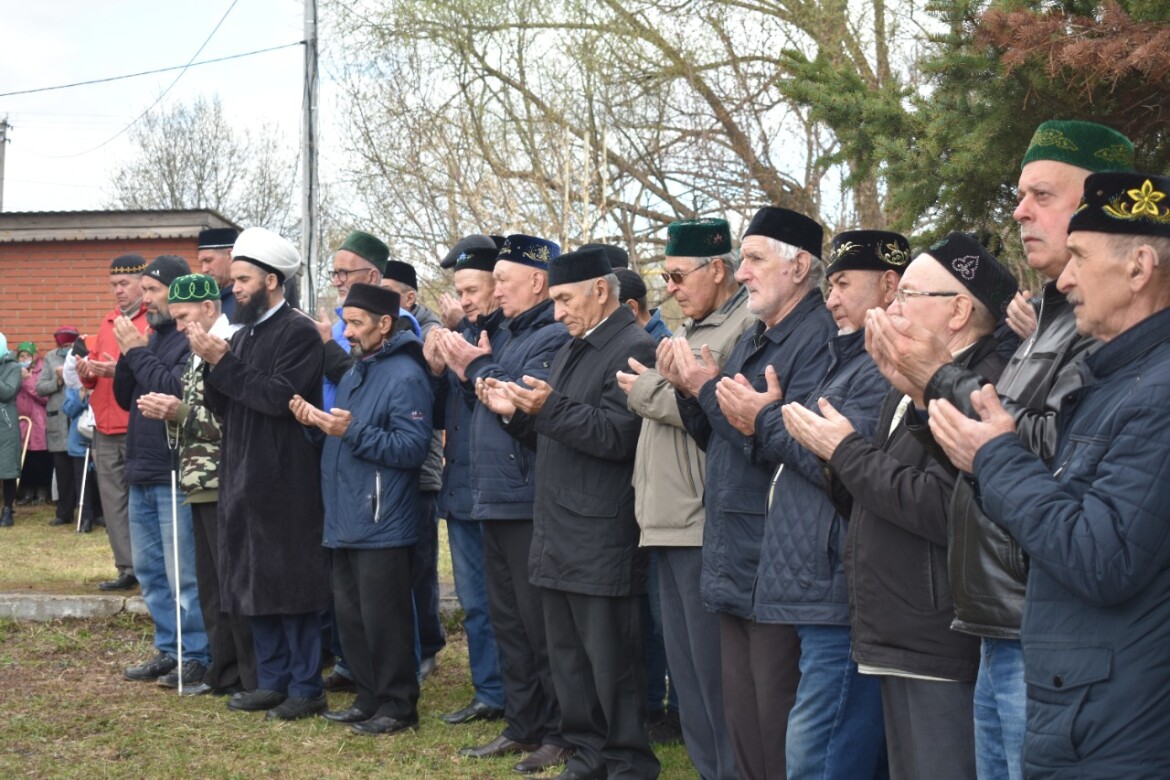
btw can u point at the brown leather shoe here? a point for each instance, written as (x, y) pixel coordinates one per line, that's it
(544, 757)
(500, 746)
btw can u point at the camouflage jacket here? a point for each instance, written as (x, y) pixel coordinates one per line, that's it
(199, 432)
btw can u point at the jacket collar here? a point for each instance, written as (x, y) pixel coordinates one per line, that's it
(782, 329)
(848, 346)
(1130, 346)
(538, 316)
(739, 298)
(609, 327)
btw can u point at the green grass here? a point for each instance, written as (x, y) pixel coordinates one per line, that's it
(68, 713)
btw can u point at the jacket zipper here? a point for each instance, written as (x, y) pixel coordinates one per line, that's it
(378, 495)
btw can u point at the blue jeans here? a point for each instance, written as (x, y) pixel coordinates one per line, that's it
(1000, 696)
(154, 565)
(836, 728)
(466, 540)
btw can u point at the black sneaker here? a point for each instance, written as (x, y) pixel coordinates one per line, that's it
(151, 670)
(193, 674)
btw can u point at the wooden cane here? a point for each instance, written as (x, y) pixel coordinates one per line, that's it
(24, 452)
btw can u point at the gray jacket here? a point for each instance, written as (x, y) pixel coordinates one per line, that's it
(49, 386)
(669, 467)
(431, 480)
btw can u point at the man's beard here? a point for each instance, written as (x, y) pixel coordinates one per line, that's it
(249, 313)
(156, 319)
(356, 351)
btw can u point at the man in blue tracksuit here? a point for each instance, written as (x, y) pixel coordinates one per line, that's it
(375, 443)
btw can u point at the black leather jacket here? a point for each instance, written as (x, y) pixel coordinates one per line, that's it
(988, 570)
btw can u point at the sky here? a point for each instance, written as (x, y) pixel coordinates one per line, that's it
(58, 158)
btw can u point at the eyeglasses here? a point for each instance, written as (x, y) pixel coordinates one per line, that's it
(342, 274)
(678, 276)
(901, 295)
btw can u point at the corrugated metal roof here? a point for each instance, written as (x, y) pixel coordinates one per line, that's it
(46, 226)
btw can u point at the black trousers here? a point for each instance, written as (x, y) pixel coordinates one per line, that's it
(233, 657)
(758, 657)
(66, 487)
(424, 564)
(373, 608)
(530, 700)
(595, 649)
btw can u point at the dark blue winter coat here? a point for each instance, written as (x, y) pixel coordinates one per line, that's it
(737, 477)
(656, 326)
(370, 475)
(1096, 528)
(502, 480)
(801, 576)
(454, 403)
(155, 368)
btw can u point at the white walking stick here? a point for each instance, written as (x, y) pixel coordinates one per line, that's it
(81, 498)
(175, 545)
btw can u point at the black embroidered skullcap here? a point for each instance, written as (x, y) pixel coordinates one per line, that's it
(128, 264)
(1135, 204)
(618, 257)
(868, 250)
(977, 269)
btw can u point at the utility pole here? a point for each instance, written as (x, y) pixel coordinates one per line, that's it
(4, 128)
(310, 230)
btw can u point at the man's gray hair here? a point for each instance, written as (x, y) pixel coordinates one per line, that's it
(816, 268)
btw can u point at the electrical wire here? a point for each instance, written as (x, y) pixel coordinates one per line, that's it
(148, 73)
(158, 100)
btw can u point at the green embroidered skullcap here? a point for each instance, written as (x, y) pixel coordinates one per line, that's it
(27, 346)
(368, 248)
(698, 238)
(1135, 204)
(193, 288)
(1086, 145)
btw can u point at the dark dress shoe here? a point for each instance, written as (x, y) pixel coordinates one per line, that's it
(151, 670)
(123, 582)
(100, 521)
(86, 525)
(352, 715)
(296, 707)
(500, 746)
(193, 674)
(384, 724)
(59, 521)
(255, 701)
(198, 689)
(544, 757)
(477, 710)
(6, 517)
(339, 683)
(230, 690)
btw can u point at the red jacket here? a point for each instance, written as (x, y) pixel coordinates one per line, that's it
(110, 418)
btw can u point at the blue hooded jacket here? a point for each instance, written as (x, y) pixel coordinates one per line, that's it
(370, 475)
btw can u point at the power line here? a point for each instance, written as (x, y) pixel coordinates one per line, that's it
(158, 100)
(151, 72)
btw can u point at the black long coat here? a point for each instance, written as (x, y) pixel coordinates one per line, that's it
(584, 536)
(270, 510)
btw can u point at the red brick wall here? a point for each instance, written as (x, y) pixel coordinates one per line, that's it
(44, 285)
